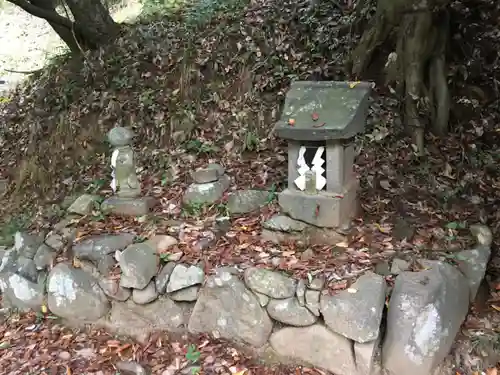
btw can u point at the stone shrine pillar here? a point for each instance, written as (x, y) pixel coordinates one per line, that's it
(320, 120)
(125, 183)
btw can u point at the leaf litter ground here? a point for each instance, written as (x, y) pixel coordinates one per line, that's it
(210, 93)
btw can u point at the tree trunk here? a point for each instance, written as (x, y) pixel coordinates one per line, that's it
(92, 27)
(418, 65)
(94, 21)
(64, 32)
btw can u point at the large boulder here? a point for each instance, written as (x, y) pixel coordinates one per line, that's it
(225, 306)
(316, 345)
(75, 295)
(425, 313)
(356, 313)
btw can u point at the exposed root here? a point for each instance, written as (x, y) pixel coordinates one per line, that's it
(418, 66)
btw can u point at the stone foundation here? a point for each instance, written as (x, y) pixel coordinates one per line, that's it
(296, 320)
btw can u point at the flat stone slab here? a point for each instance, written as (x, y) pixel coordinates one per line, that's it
(272, 284)
(340, 110)
(139, 321)
(290, 312)
(209, 174)
(322, 209)
(425, 313)
(281, 228)
(316, 345)
(128, 206)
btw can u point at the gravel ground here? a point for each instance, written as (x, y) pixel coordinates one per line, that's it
(27, 42)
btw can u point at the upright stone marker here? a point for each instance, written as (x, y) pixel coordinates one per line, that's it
(320, 120)
(125, 183)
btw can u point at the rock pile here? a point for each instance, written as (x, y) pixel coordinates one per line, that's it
(209, 185)
(298, 319)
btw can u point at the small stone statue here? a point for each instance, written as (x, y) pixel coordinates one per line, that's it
(125, 183)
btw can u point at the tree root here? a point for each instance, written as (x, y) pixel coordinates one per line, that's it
(418, 65)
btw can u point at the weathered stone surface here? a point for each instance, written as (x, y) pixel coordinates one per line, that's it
(8, 260)
(139, 321)
(357, 315)
(146, 295)
(189, 294)
(425, 313)
(399, 265)
(139, 264)
(343, 106)
(21, 292)
(25, 267)
(317, 283)
(281, 228)
(120, 136)
(272, 284)
(209, 174)
(27, 244)
(333, 211)
(284, 223)
(95, 247)
(106, 264)
(225, 306)
(366, 355)
(317, 346)
(73, 294)
(300, 293)
(312, 301)
(290, 312)
(245, 201)
(112, 289)
(262, 298)
(206, 193)
(138, 206)
(55, 241)
(130, 368)
(163, 276)
(44, 257)
(183, 277)
(84, 204)
(473, 265)
(162, 243)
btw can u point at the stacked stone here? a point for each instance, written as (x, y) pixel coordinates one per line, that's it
(298, 319)
(209, 185)
(125, 182)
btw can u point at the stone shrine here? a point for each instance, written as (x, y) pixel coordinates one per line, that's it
(320, 120)
(125, 183)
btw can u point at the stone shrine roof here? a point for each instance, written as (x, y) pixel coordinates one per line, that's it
(320, 111)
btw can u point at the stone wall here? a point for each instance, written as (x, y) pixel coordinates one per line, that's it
(127, 288)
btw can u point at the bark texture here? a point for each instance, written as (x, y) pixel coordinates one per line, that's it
(418, 64)
(91, 27)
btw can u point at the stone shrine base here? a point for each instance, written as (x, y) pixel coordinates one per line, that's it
(128, 206)
(282, 229)
(322, 209)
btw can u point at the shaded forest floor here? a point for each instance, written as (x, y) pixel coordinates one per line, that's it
(207, 84)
